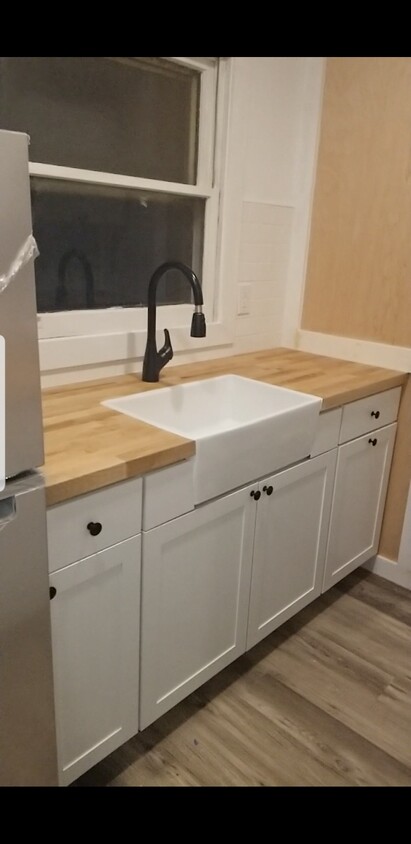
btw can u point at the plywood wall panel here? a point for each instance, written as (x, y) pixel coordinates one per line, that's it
(399, 481)
(359, 266)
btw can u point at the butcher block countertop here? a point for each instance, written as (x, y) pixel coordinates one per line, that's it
(88, 446)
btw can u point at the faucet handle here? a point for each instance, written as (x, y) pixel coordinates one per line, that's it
(166, 351)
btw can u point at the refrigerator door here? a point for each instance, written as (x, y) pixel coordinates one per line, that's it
(18, 312)
(27, 729)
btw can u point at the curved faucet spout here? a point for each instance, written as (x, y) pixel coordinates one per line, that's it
(155, 360)
(174, 265)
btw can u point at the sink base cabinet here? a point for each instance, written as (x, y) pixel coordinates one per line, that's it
(196, 607)
(290, 543)
(361, 481)
(195, 592)
(95, 634)
(214, 582)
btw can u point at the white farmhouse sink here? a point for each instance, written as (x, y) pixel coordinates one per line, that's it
(243, 429)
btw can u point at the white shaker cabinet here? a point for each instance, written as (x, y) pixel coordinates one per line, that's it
(196, 607)
(95, 625)
(212, 581)
(95, 570)
(290, 543)
(195, 592)
(95, 631)
(361, 481)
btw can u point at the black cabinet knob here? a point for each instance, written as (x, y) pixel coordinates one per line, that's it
(375, 413)
(53, 592)
(256, 494)
(268, 489)
(373, 442)
(95, 528)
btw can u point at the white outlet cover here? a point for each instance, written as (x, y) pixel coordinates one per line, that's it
(244, 298)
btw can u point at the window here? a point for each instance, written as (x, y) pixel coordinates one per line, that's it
(122, 172)
(100, 245)
(136, 116)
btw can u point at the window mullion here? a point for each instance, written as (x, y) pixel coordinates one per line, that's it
(74, 174)
(199, 63)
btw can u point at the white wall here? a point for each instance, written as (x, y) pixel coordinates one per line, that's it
(280, 100)
(275, 108)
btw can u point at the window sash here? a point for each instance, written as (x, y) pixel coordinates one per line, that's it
(94, 322)
(102, 320)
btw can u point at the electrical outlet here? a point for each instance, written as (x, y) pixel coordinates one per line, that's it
(244, 298)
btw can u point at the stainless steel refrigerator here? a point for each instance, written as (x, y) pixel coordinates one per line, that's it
(27, 728)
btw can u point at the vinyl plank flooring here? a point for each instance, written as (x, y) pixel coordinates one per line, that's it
(375, 592)
(343, 756)
(324, 701)
(365, 631)
(343, 685)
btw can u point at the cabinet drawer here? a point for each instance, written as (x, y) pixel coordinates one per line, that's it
(328, 431)
(71, 525)
(168, 493)
(370, 413)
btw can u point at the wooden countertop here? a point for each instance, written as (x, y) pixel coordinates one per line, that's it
(88, 446)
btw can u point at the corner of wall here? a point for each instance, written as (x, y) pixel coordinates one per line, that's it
(313, 94)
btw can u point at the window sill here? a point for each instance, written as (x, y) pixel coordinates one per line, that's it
(59, 353)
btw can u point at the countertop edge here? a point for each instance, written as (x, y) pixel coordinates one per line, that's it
(353, 394)
(59, 491)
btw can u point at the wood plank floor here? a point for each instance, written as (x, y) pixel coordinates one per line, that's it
(325, 700)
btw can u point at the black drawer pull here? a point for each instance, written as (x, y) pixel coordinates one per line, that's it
(374, 441)
(256, 494)
(375, 413)
(268, 489)
(95, 528)
(53, 592)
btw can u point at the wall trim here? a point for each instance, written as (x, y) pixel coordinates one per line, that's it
(395, 572)
(351, 348)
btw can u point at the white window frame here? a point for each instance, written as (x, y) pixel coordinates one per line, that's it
(89, 337)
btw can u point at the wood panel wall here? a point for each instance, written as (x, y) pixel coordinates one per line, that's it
(359, 264)
(399, 481)
(359, 267)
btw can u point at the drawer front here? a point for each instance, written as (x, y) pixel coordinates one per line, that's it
(370, 413)
(328, 431)
(73, 527)
(168, 493)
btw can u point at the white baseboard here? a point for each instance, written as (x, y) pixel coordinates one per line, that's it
(395, 572)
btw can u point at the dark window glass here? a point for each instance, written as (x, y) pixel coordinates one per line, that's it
(99, 245)
(135, 116)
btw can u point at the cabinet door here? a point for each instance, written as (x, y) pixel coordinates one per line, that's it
(95, 636)
(195, 592)
(363, 468)
(290, 543)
